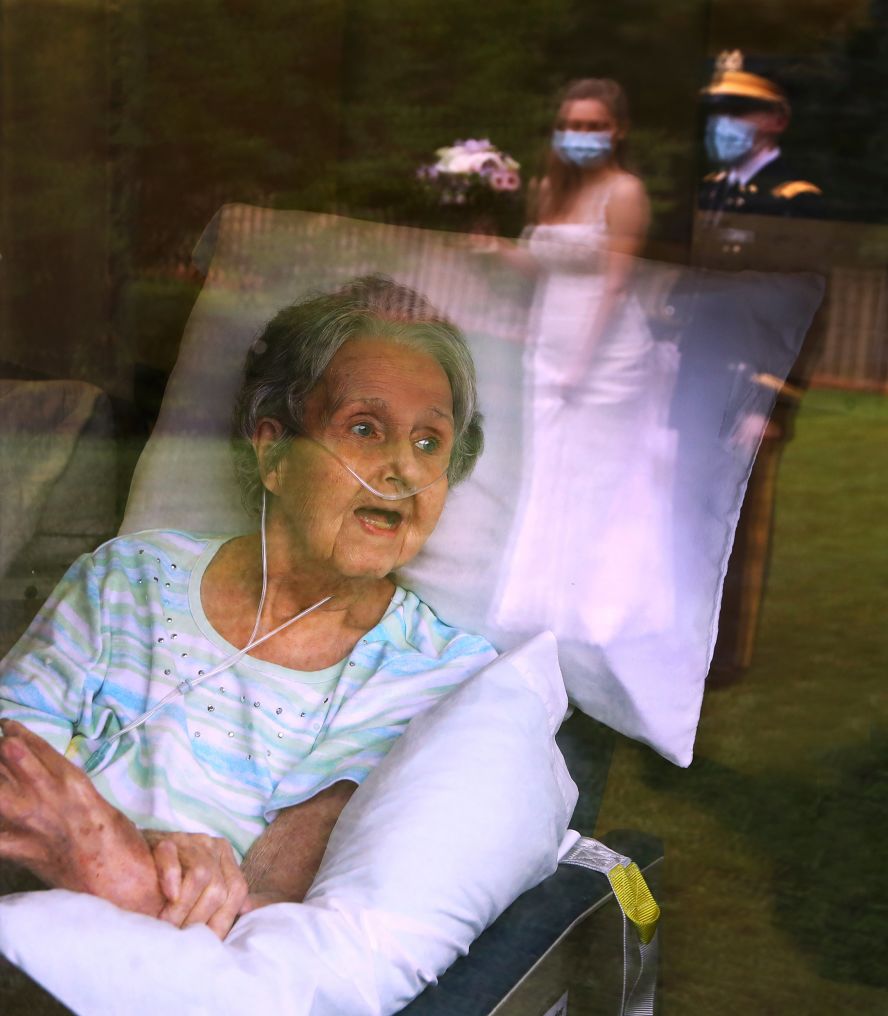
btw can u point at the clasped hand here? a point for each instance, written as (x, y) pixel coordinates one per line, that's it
(55, 823)
(200, 880)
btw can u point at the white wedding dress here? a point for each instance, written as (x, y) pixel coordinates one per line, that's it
(590, 549)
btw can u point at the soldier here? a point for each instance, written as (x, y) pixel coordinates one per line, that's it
(747, 115)
(750, 205)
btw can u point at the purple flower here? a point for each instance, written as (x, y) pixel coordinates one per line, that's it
(467, 167)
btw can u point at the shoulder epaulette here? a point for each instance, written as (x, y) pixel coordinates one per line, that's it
(792, 189)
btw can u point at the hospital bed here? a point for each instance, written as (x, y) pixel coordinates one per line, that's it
(559, 948)
(564, 946)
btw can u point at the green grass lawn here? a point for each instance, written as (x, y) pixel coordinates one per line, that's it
(774, 889)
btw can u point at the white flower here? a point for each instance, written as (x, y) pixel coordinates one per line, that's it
(467, 163)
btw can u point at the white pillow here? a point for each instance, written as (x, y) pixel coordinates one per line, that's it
(467, 811)
(632, 590)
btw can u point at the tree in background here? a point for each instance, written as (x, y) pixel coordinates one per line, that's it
(126, 124)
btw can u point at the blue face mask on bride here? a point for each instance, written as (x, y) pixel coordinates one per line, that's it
(728, 139)
(582, 148)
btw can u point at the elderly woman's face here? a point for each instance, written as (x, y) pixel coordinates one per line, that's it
(387, 410)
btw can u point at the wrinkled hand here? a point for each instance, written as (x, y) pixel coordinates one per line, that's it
(200, 879)
(56, 824)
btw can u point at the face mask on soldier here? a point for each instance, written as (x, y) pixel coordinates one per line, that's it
(728, 139)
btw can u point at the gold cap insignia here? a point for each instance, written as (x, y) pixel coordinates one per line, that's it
(730, 80)
(729, 60)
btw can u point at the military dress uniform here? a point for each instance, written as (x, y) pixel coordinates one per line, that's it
(776, 189)
(742, 224)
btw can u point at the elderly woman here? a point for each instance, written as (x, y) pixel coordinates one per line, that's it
(356, 413)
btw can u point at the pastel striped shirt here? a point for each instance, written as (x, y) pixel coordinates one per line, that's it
(126, 625)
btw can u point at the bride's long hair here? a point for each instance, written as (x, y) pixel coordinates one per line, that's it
(564, 180)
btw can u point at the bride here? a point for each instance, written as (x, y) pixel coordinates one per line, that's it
(594, 392)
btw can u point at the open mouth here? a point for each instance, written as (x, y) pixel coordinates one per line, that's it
(381, 519)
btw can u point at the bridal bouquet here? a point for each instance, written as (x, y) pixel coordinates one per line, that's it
(467, 171)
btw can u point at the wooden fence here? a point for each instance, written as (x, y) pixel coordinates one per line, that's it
(852, 344)
(854, 349)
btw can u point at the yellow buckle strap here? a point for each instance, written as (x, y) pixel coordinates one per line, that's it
(635, 899)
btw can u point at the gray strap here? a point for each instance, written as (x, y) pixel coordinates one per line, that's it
(639, 958)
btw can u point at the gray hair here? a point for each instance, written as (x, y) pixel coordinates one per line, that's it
(295, 348)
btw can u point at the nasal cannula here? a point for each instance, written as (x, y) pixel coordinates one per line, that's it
(189, 684)
(408, 492)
